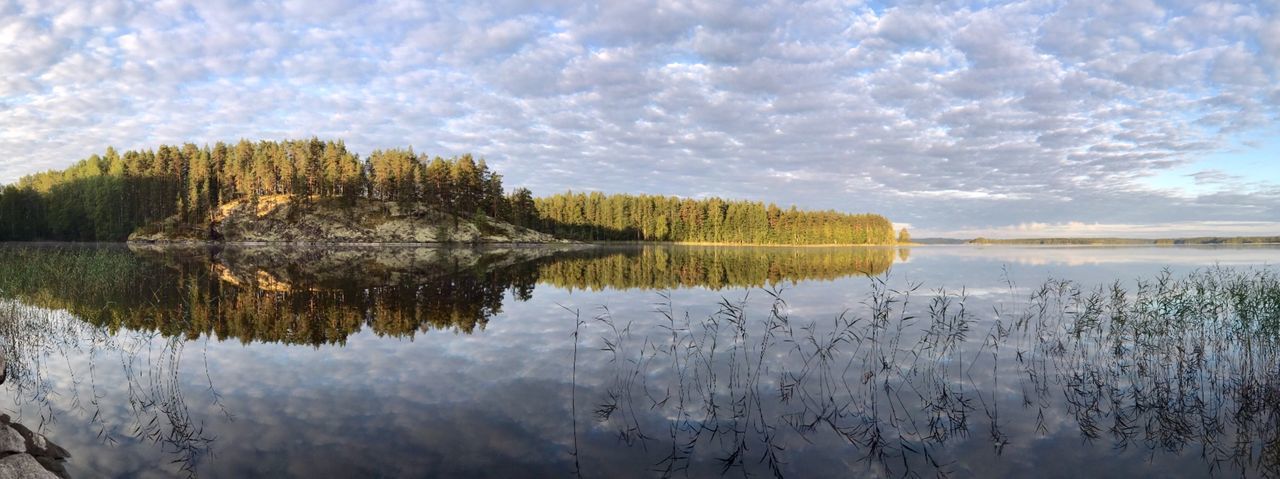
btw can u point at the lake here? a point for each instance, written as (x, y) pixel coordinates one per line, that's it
(646, 361)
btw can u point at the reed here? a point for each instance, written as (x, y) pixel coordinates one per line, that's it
(1174, 364)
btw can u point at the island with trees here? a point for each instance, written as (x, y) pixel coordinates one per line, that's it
(318, 191)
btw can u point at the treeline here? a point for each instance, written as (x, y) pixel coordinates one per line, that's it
(105, 197)
(596, 216)
(1204, 240)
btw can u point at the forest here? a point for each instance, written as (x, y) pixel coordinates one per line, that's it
(106, 197)
(596, 216)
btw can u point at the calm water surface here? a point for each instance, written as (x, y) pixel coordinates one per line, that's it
(646, 361)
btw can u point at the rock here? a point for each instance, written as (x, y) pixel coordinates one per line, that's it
(36, 444)
(56, 466)
(289, 219)
(11, 441)
(23, 466)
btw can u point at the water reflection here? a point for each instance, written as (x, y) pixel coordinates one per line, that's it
(1177, 368)
(666, 267)
(158, 413)
(323, 295)
(238, 362)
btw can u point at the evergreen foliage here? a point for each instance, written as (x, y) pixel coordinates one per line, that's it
(106, 197)
(596, 216)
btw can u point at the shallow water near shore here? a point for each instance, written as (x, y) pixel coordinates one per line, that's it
(646, 361)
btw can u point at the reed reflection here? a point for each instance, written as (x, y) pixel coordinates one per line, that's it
(915, 381)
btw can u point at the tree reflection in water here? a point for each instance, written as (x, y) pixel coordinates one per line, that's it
(908, 381)
(302, 295)
(61, 301)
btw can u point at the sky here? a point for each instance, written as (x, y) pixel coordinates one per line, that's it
(998, 119)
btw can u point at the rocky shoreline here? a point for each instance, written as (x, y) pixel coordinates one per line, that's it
(26, 454)
(286, 219)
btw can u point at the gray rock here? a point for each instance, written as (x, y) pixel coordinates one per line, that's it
(11, 440)
(36, 444)
(23, 466)
(56, 466)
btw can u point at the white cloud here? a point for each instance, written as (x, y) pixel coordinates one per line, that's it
(951, 118)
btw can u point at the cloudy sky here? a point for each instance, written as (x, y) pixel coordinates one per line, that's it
(1027, 118)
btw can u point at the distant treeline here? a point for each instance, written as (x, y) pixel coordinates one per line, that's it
(596, 216)
(106, 197)
(1205, 240)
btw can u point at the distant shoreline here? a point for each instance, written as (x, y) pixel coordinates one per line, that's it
(1187, 241)
(507, 243)
(785, 245)
(568, 243)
